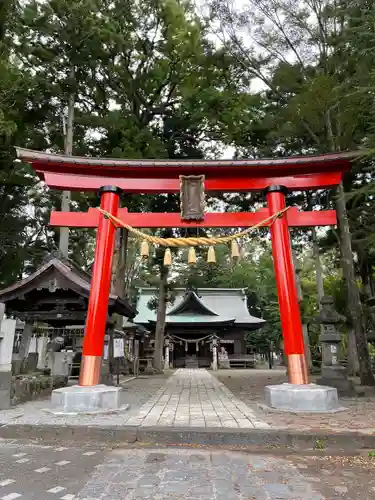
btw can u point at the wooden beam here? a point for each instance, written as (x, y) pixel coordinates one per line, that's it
(90, 219)
(226, 185)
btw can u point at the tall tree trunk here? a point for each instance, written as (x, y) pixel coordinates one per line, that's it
(354, 301)
(305, 329)
(353, 364)
(318, 268)
(119, 263)
(160, 319)
(66, 195)
(119, 268)
(365, 272)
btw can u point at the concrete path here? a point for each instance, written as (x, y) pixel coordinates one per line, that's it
(194, 398)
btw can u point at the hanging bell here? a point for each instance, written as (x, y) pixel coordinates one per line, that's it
(167, 257)
(192, 257)
(145, 249)
(235, 251)
(211, 257)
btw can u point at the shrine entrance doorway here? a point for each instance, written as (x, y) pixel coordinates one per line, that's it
(275, 177)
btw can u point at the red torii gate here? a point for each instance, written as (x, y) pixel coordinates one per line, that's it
(110, 176)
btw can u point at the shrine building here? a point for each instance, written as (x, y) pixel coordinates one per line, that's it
(195, 318)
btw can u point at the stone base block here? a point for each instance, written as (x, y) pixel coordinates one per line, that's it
(5, 389)
(345, 387)
(82, 399)
(302, 398)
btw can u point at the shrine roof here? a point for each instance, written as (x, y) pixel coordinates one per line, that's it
(207, 306)
(68, 276)
(51, 162)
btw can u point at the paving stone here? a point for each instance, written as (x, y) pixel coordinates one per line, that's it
(192, 475)
(341, 490)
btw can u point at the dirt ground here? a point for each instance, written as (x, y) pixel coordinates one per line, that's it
(347, 478)
(248, 385)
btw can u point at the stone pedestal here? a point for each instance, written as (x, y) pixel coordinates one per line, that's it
(333, 373)
(223, 361)
(149, 370)
(336, 376)
(309, 398)
(82, 399)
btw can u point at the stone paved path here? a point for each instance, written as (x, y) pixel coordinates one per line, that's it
(196, 475)
(67, 471)
(188, 398)
(194, 398)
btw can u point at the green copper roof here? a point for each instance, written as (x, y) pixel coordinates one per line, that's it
(197, 319)
(207, 306)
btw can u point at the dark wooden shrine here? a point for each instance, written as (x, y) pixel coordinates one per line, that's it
(56, 294)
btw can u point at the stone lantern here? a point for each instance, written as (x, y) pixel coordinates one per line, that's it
(333, 373)
(149, 355)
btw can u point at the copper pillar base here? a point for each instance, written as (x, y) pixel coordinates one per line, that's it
(90, 370)
(297, 369)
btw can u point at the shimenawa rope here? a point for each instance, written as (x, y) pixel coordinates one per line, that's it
(193, 241)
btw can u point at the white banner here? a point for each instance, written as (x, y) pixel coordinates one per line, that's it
(118, 348)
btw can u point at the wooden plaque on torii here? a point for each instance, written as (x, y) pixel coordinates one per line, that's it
(192, 197)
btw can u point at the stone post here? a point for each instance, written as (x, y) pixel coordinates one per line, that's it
(166, 358)
(7, 331)
(333, 373)
(42, 353)
(214, 352)
(32, 354)
(171, 351)
(20, 359)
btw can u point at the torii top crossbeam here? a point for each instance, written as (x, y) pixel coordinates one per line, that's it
(162, 176)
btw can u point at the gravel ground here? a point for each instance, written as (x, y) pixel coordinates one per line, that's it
(248, 385)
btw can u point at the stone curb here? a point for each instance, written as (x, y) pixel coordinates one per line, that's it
(265, 440)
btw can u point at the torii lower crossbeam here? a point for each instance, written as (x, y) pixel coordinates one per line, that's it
(91, 219)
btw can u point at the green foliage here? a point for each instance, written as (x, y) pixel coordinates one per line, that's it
(146, 81)
(254, 273)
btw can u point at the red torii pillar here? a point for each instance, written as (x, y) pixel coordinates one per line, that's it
(93, 342)
(290, 315)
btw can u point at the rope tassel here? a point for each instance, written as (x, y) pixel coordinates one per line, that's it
(167, 257)
(145, 250)
(192, 257)
(235, 251)
(211, 256)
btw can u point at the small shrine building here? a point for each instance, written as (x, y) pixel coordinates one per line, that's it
(197, 320)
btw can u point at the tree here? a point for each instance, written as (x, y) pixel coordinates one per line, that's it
(295, 53)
